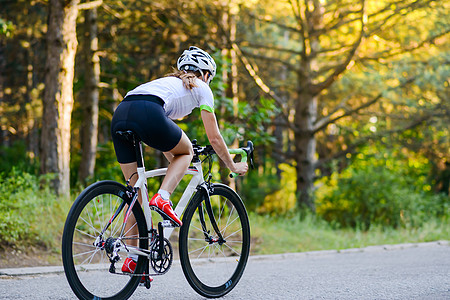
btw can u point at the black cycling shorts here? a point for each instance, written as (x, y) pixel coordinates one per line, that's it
(145, 115)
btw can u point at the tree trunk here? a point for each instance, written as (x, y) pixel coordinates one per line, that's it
(89, 103)
(3, 129)
(279, 131)
(305, 145)
(306, 109)
(58, 94)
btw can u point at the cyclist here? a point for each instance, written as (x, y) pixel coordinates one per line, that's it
(149, 111)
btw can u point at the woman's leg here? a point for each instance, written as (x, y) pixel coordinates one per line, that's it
(181, 156)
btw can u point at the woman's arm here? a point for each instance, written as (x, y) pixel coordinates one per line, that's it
(217, 142)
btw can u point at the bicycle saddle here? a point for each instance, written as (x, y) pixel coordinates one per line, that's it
(128, 135)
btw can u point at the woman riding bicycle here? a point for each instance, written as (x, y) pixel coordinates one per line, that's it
(149, 111)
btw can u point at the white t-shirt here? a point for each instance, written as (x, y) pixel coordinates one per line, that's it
(179, 101)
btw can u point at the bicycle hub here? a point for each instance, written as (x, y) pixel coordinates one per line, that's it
(112, 245)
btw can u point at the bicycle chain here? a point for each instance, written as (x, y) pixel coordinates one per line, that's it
(133, 275)
(152, 274)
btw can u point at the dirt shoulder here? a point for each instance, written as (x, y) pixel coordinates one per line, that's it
(13, 257)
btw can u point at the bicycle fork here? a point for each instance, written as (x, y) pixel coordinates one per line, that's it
(207, 204)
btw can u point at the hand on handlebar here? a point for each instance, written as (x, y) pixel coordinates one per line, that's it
(240, 168)
(246, 153)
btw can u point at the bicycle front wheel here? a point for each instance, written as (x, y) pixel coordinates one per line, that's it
(213, 263)
(84, 249)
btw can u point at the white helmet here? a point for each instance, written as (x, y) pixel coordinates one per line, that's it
(195, 59)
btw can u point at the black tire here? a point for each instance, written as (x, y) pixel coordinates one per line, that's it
(87, 266)
(211, 269)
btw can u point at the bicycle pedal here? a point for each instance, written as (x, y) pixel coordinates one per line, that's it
(167, 221)
(147, 283)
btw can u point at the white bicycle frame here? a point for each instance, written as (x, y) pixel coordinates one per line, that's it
(141, 186)
(196, 180)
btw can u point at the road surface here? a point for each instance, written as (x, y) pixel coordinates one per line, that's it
(419, 271)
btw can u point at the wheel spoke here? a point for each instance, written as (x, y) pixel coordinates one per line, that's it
(85, 245)
(194, 239)
(84, 253)
(228, 224)
(85, 233)
(90, 225)
(237, 253)
(198, 249)
(220, 250)
(228, 236)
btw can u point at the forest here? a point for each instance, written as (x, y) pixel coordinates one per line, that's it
(346, 101)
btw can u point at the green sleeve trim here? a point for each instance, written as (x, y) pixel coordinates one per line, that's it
(207, 108)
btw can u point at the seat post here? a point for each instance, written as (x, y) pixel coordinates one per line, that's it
(138, 148)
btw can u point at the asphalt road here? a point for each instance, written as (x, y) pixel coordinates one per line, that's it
(409, 271)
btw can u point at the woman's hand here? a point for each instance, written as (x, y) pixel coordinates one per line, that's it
(239, 168)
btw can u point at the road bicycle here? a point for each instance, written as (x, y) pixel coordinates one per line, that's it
(214, 240)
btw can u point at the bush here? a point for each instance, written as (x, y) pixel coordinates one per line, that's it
(379, 192)
(27, 210)
(106, 165)
(281, 199)
(255, 187)
(16, 156)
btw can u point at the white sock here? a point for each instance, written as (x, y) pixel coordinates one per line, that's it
(134, 257)
(164, 194)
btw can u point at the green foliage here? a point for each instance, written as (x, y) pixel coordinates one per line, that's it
(288, 234)
(281, 200)
(15, 156)
(28, 209)
(139, 42)
(256, 187)
(6, 28)
(379, 189)
(252, 120)
(244, 121)
(106, 166)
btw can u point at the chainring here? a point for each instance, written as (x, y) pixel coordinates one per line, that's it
(161, 263)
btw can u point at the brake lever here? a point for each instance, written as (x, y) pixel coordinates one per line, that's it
(251, 160)
(249, 150)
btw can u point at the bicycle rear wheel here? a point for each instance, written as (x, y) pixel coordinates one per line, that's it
(85, 260)
(213, 266)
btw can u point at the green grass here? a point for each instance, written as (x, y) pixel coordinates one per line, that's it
(272, 235)
(32, 216)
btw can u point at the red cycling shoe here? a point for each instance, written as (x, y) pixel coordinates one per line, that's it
(129, 265)
(164, 207)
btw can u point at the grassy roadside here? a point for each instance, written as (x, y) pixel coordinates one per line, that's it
(272, 235)
(32, 220)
